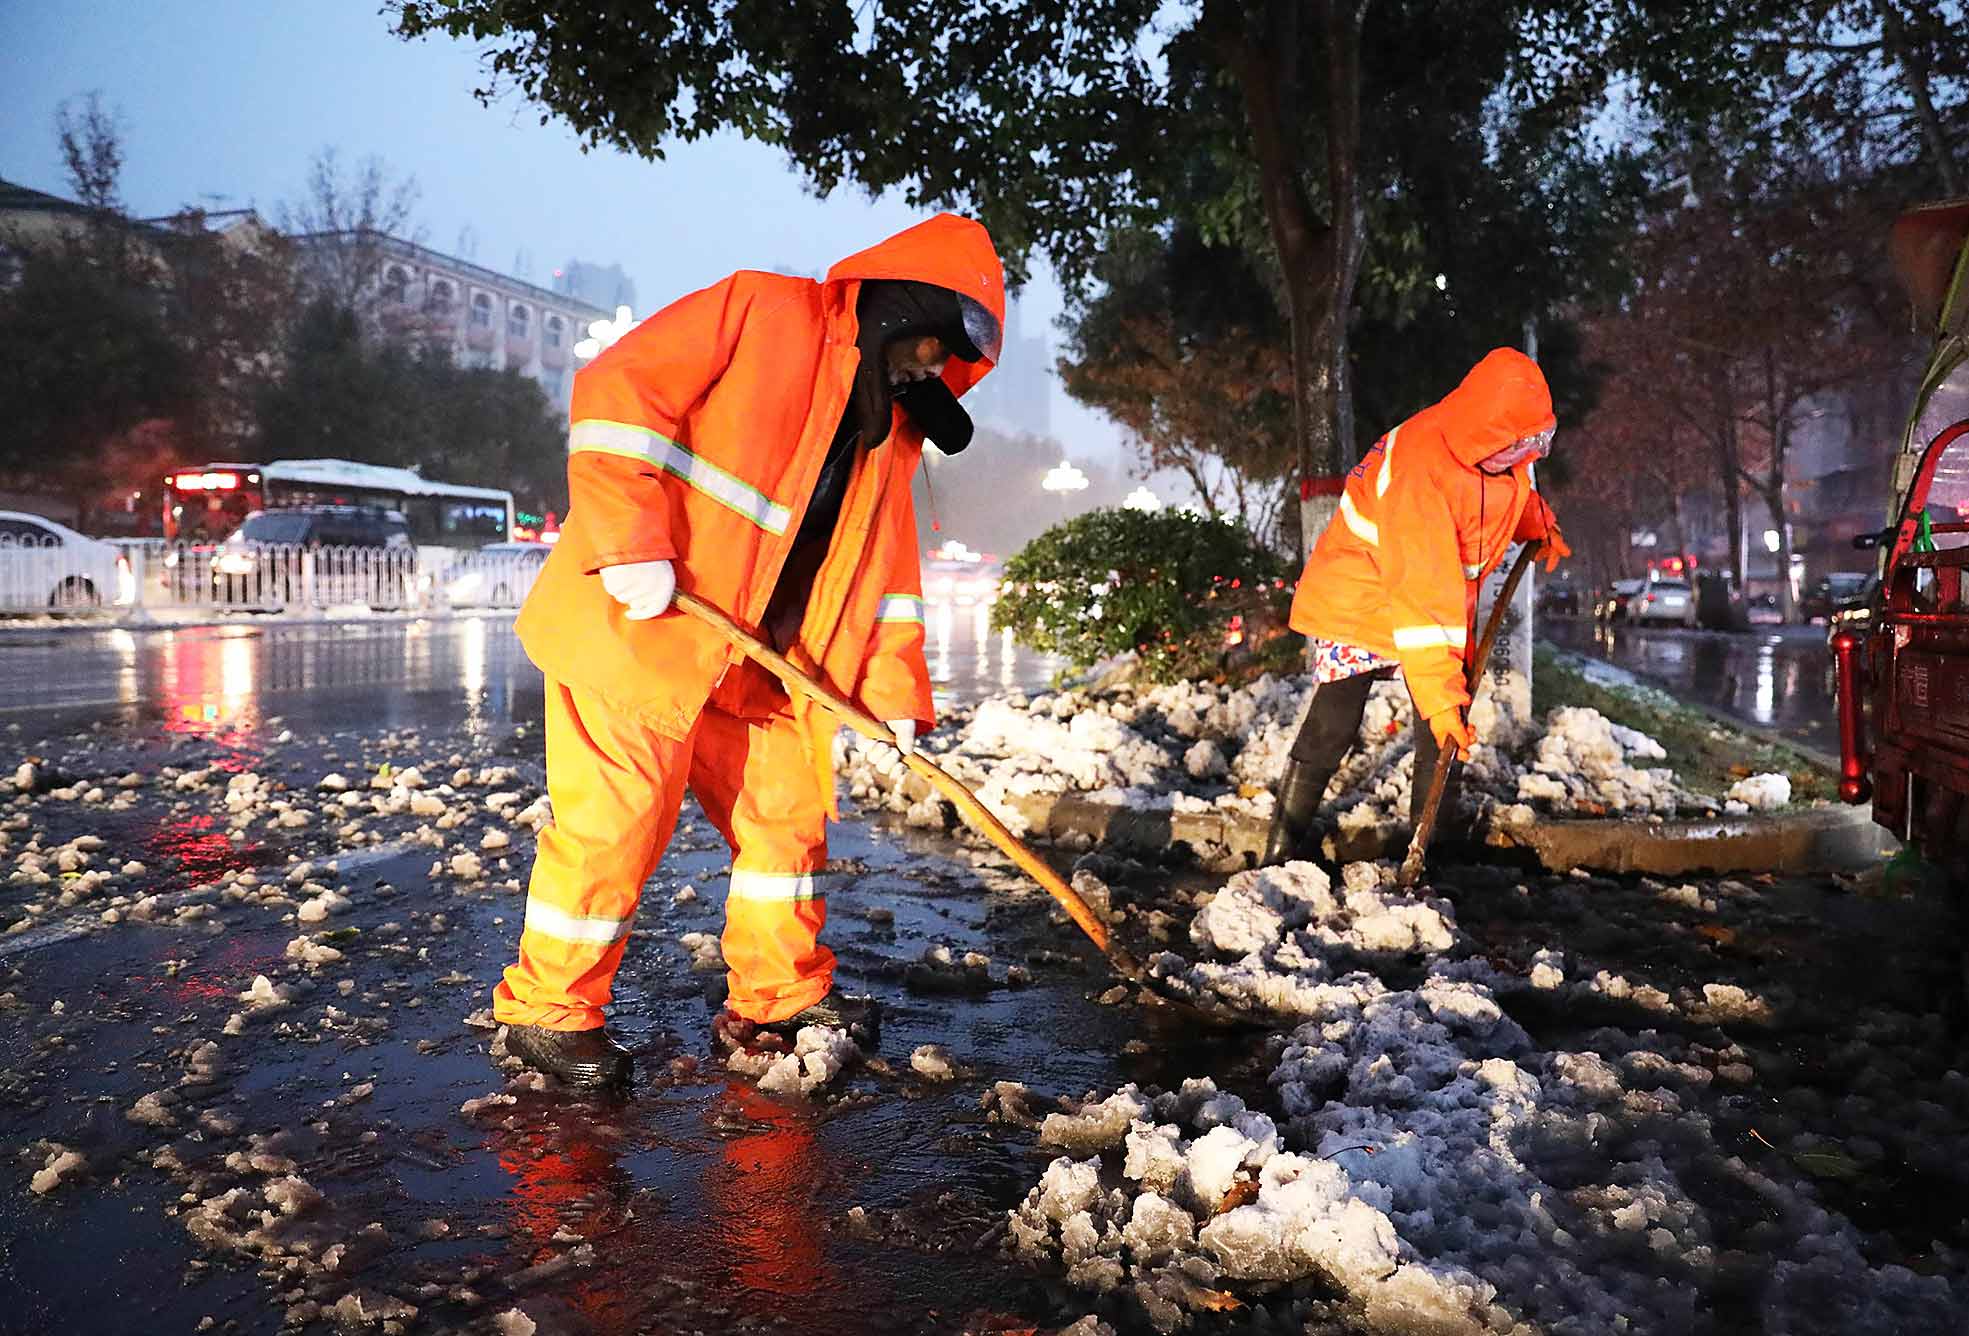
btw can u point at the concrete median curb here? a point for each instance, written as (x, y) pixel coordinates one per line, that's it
(1815, 839)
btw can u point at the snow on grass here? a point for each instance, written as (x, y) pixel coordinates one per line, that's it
(1760, 793)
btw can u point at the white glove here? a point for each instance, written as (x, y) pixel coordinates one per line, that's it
(905, 731)
(643, 587)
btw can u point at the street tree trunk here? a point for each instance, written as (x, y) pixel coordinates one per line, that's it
(1260, 42)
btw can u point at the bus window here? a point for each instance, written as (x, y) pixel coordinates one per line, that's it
(475, 519)
(426, 517)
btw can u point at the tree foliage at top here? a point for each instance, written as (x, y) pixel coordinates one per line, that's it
(1871, 85)
(1041, 116)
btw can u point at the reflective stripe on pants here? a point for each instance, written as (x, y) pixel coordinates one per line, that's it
(616, 787)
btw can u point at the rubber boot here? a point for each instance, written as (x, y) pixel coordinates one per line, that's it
(1294, 807)
(861, 1017)
(590, 1059)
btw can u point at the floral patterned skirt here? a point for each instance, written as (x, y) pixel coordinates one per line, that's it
(1333, 662)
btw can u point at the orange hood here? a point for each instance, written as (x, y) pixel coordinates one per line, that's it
(1502, 400)
(949, 251)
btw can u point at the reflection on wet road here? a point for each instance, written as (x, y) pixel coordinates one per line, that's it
(468, 670)
(1772, 676)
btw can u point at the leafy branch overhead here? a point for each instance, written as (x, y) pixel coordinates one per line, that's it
(1039, 116)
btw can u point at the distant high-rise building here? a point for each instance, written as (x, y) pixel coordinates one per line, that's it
(607, 288)
(1018, 394)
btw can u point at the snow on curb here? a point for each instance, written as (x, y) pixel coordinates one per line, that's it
(1193, 748)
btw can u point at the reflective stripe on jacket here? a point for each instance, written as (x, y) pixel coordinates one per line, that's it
(697, 439)
(1419, 525)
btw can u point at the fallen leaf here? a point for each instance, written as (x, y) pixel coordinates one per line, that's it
(1242, 1193)
(1828, 1164)
(1216, 1301)
(1717, 933)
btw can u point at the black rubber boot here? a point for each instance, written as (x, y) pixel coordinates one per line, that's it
(1294, 806)
(587, 1058)
(861, 1017)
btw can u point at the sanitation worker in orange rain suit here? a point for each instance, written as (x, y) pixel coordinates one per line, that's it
(753, 444)
(1392, 584)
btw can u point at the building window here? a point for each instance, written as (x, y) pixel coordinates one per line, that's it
(12, 266)
(395, 283)
(441, 296)
(481, 310)
(554, 331)
(516, 320)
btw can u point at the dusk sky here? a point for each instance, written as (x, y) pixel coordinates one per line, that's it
(224, 103)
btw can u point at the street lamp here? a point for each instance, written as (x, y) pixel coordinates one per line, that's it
(1063, 477)
(601, 333)
(1142, 499)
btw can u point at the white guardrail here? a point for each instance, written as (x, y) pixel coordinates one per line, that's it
(129, 577)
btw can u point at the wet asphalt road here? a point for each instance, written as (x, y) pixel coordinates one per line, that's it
(466, 670)
(1774, 677)
(695, 1205)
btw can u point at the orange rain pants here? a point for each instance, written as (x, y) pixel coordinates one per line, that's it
(616, 785)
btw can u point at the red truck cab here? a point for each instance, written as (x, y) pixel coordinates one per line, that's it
(1903, 669)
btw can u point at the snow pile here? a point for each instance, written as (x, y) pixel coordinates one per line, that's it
(1584, 763)
(1288, 929)
(1198, 747)
(1759, 793)
(1421, 1153)
(820, 1053)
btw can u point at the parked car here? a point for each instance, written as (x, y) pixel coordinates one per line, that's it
(1612, 606)
(963, 583)
(1560, 598)
(46, 565)
(498, 575)
(1663, 601)
(316, 555)
(1835, 592)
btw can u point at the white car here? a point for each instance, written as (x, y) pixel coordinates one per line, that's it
(498, 575)
(45, 565)
(1663, 601)
(964, 583)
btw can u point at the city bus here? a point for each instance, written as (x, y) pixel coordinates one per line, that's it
(204, 504)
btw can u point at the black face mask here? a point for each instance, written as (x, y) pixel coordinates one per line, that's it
(889, 310)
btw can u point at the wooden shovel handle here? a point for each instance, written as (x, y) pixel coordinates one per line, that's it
(973, 811)
(1473, 672)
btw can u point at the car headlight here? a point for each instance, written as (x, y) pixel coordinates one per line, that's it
(233, 563)
(466, 585)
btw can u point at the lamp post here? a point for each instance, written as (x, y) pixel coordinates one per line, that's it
(1065, 479)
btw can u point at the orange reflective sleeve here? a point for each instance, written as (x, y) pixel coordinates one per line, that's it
(618, 502)
(1535, 521)
(895, 680)
(627, 420)
(1423, 574)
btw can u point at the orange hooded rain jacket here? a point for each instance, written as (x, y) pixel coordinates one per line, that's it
(1420, 525)
(697, 439)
